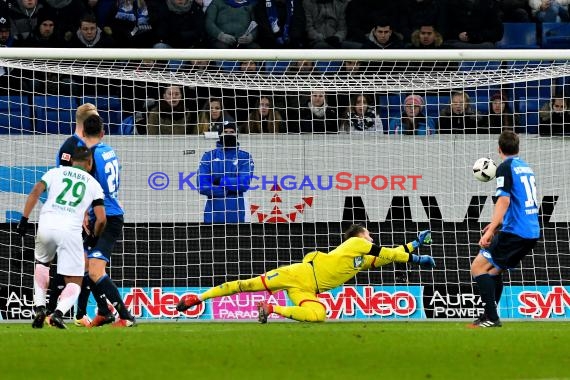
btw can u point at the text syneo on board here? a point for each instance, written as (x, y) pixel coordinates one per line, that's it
(342, 181)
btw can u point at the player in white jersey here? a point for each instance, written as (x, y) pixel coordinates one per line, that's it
(70, 192)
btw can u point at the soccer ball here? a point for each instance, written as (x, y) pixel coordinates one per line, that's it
(484, 169)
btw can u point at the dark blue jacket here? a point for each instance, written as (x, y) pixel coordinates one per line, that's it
(224, 176)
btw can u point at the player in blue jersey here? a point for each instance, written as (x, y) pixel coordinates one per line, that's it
(68, 147)
(64, 159)
(106, 172)
(515, 217)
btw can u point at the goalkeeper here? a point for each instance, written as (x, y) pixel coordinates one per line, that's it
(318, 273)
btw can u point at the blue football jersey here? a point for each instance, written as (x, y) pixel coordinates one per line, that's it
(106, 172)
(66, 151)
(515, 179)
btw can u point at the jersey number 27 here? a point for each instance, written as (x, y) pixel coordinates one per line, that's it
(112, 172)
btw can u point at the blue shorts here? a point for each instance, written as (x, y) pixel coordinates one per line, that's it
(112, 232)
(507, 250)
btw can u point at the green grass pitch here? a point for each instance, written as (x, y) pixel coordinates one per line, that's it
(298, 351)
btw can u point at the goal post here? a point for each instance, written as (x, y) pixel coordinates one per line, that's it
(318, 167)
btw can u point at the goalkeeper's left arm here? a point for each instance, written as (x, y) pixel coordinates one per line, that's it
(401, 254)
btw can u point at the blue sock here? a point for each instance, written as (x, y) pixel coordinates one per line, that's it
(498, 287)
(100, 298)
(83, 296)
(106, 286)
(487, 291)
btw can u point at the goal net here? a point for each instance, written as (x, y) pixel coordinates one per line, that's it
(384, 139)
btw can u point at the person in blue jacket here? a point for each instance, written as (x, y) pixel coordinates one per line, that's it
(413, 120)
(224, 176)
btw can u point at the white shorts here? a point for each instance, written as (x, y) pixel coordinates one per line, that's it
(69, 249)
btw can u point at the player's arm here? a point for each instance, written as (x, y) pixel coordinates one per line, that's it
(499, 212)
(504, 187)
(100, 217)
(31, 202)
(402, 253)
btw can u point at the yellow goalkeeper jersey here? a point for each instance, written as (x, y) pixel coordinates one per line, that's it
(349, 258)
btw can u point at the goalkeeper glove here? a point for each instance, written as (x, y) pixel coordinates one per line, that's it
(425, 261)
(424, 237)
(22, 227)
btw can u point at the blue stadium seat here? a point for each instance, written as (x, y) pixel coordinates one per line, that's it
(479, 65)
(528, 109)
(519, 35)
(382, 106)
(434, 104)
(395, 105)
(15, 115)
(539, 89)
(228, 65)
(555, 35)
(175, 65)
(276, 67)
(55, 114)
(522, 65)
(110, 110)
(328, 66)
(563, 86)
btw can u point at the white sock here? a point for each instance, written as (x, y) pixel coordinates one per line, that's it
(41, 283)
(68, 297)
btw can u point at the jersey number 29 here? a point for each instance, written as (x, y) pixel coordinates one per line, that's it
(77, 192)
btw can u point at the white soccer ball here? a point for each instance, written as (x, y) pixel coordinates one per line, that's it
(484, 169)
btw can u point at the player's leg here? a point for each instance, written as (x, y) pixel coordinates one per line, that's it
(307, 307)
(66, 300)
(57, 283)
(56, 287)
(497, 277)
(102, 285)
(299, 281)
(480, 268)
(71, 265)
(81, 317)
(505, 252)
(44, 253)
(255, 284)
(274, 280)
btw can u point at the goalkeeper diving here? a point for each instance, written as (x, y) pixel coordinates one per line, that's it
(318, 273)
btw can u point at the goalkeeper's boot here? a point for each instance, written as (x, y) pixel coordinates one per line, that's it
(40, 317)
(102, 319)
(187, 302)
(263, 311)
(56, 320)
(84, 321)
(485, 324)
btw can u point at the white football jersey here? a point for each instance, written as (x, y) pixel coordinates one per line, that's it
(70, 192)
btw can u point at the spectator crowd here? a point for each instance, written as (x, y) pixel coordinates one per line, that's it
(277, 24)
(272, 24)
